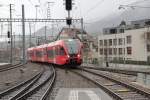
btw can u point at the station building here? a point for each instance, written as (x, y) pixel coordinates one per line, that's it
(125, 42)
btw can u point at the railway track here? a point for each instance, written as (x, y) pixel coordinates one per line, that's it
(37, 87)
(122, 71)
(9, 67)
(119, 88)
(130, 76)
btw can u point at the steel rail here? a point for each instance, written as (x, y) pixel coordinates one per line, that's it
(26, 88)
(12, 89)
(107, 90)
(45, 95)
(124, 71)
(112, 70)
(28, 94)
(122, 82)
(9, 67)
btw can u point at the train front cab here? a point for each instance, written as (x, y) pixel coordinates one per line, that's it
(73, 48)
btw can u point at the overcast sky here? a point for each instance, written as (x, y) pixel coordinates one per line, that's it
(90, 10)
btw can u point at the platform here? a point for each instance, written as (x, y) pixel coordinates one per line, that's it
(4, 64)
(82, 94)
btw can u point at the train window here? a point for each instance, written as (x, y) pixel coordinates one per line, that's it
(50, 53)
(72, 46)
(62, 51)
(57, 50)
(39, 53)
(44, 51)
(30, 53)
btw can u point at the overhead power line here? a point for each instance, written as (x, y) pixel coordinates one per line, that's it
(133, 7)
(94, 7)
(138, 2)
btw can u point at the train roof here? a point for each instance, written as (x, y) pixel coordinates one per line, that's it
(58, 42)
(31, 48)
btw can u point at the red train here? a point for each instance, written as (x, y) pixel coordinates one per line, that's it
(61, 52)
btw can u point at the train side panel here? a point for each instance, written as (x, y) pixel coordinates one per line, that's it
(59, 52)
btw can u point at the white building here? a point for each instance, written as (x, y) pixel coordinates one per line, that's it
(133, 45)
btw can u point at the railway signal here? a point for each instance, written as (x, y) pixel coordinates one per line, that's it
(69, 21)
(68, 5)
(8, 34)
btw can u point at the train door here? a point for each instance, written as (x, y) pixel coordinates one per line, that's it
(54, 55)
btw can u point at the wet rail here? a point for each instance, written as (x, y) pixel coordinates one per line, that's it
(123, 71)
(130, 76)
(119, 88)
(40, 85)
(9, 67)
(41, 89)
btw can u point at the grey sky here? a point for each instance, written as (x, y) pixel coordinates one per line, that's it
(88, 9)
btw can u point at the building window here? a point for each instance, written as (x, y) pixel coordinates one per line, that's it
(148, 59)
(110, 42)
(148, 35)
(105, 42)
(101, 51)
(129, 50)
(120, 51)
(115, 41)
(105, 51)
(120, 58)
(110, 51)
(124, 50)
(120, 41)
(113, 31)
(101, 42)
(148, 47)
(129, 40)
(115, 51)
(121, 30)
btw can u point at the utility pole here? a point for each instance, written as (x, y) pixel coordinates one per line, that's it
(14, 43)
(30, 34)
(48, 17)
(11, 42)
(23, 36)
(49, 9)
(1, 31)
(36, 8)
(82, 28)
(45, 33)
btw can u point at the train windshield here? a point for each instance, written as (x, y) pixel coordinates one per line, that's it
(72, 46)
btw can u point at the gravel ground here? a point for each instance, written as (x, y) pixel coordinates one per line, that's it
(15, 76)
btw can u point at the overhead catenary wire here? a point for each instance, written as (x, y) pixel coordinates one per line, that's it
(93, 7)
(132, 5)
(138, 2)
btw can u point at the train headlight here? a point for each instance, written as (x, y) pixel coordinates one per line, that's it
(68, 56)
(78, 55)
